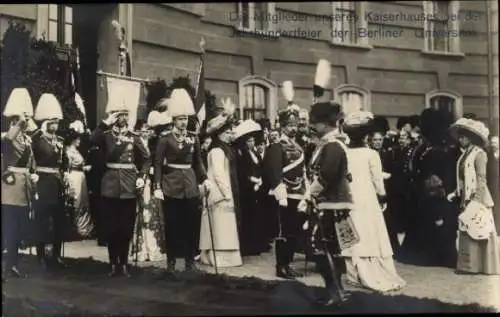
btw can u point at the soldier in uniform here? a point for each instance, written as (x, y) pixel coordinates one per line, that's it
(125, 156)
(178, 169)
(18, 176)
(50, 219)
(284, 178)
(332, 199)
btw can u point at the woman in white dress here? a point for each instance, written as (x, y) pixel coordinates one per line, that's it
(222, 217)
(76, 192)
(369, 263)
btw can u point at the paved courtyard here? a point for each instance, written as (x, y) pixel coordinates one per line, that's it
(423, 282)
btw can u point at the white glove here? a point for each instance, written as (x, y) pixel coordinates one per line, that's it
(31, 125)
(283, 202)
(34, 178)
(439, 222)
(386, 175)
(158, 194)
(384, 207)
(139, 183)
(111, 119)
(302, 206)
(206, 185)
(451, 196)
(87, 168)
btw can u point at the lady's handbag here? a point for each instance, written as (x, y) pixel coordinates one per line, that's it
(477, 220)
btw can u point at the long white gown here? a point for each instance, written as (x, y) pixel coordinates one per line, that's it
(369, 263)
(222, 216)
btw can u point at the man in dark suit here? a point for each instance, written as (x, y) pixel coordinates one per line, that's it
(178, 171)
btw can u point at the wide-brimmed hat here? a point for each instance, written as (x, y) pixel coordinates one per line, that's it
(246, 128)
(470, 126)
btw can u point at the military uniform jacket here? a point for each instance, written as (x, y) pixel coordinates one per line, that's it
(48, 151)
(284, 168)
(331, 178)
(125, 155)
(178, 165)
(17, 163)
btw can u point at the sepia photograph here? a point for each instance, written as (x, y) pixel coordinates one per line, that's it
(250, 158)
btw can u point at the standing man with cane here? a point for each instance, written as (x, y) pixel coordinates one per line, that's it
(178, 169)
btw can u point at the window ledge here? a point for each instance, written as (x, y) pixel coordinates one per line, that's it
(363, 47)
(443, 54)
(266, 34)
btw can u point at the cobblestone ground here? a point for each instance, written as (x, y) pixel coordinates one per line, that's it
(422, 282)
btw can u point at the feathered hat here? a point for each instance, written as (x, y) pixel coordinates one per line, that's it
(180, 103)
(358, 124)
(291, 113)
(246, 128)
(19, 103)
(475, 130)
(48, 108)
(322, 78)
(75, 130)
(156, 118)
(223, 119)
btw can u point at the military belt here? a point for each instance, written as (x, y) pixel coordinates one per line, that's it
(48, 170)
(120, 166)
(21, 170)
(180, 166)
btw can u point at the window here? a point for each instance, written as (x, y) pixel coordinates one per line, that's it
(353, 98)
(60, 24)
(450, 102)
(347, 20)
(255, 16)
(256, 98)
(255, 102)
(440, 23)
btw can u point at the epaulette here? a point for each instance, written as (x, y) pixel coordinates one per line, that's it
(165, 133)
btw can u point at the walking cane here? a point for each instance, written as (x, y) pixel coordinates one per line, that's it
(210, 230)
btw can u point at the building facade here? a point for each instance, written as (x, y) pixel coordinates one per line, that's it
(393, 58)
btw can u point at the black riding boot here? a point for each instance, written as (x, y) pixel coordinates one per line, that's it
(282, 259)
(329, 273)
(41, 255)
(56, 254)
(291, 246)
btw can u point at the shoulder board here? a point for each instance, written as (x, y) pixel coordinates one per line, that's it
(165, 133)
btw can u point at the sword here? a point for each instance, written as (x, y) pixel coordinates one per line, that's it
(205, 199)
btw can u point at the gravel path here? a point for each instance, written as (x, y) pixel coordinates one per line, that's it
(440, 284)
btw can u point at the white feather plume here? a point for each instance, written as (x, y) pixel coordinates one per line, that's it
(118, 29)
(323, 73)
(228, 106)
(288, 91)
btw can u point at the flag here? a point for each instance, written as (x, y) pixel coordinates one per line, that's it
(199, 102)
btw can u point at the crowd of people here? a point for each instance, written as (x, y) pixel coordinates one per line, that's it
(344, 189)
